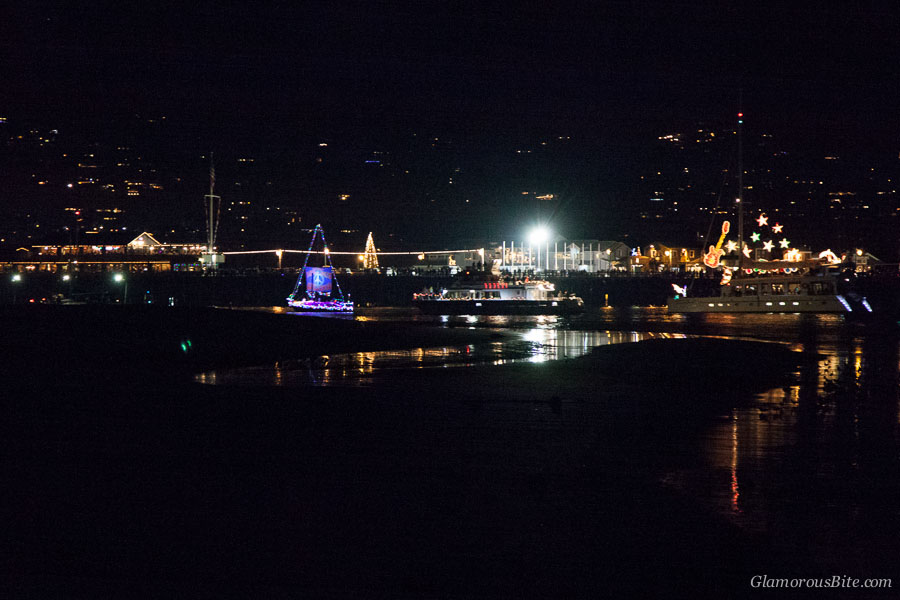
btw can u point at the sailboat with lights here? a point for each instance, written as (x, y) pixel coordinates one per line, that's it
(794, 284)
(317, 288)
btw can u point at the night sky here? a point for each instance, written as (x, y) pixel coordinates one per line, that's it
(272, 76)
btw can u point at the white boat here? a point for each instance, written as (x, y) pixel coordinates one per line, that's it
(814, 292)
(497, 297)
(780, 286)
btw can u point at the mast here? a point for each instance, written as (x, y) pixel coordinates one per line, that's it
(213, 211)
(740, 198)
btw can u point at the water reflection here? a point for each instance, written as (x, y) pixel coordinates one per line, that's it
(539, 344)
(815, 463)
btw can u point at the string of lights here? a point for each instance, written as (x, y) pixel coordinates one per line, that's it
(417, 252)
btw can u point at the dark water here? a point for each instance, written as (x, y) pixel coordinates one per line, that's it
(813, 465)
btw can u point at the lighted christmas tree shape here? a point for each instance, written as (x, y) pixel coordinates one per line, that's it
(370, 258)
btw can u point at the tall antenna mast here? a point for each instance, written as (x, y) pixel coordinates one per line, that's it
(740, 198)
(213, 212)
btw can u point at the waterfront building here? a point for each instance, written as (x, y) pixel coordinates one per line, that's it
(562, 255)
(108, 251)
(143, 244)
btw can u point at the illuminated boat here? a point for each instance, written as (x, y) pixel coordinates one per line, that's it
(479, 297)
(792, 285)
(317, 288)
(817, 291)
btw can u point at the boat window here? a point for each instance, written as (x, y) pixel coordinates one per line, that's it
(778, 288)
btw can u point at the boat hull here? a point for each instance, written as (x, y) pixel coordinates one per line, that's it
(567, 306)
(326, 306)
(767, 304)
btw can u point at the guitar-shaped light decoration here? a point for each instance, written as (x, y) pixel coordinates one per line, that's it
(711, 258)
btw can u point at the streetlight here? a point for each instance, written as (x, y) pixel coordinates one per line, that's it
(120, 278)
(67, 283)
(16, 278)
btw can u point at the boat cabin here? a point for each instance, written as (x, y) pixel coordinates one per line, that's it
(499, 290)
(781, 286)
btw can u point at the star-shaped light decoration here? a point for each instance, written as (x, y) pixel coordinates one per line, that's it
(768, 245)
(754, 236)
(731, 245)
(777, 228)
(784, 243)
(746, 251)
(763, 220)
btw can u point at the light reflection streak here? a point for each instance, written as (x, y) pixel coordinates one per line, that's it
(537, 345)
(735, 489)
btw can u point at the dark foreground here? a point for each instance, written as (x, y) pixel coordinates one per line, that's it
(536, 480)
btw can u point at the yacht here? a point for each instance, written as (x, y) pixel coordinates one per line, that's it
(473, 296)
(816, 291)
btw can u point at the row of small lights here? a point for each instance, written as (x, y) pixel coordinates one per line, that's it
(118, 277)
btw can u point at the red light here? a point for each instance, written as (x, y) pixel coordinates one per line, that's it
(740, 114)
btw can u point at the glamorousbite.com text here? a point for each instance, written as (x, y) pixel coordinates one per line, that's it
(835, 581)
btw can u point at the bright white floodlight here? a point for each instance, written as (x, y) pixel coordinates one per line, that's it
(539, 235)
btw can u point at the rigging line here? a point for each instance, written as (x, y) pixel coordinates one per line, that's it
(328, 263)
(715, 211)
(312, 242)
(342, 253)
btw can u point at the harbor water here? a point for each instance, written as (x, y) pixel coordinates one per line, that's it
(625, 452)
(811, 464)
